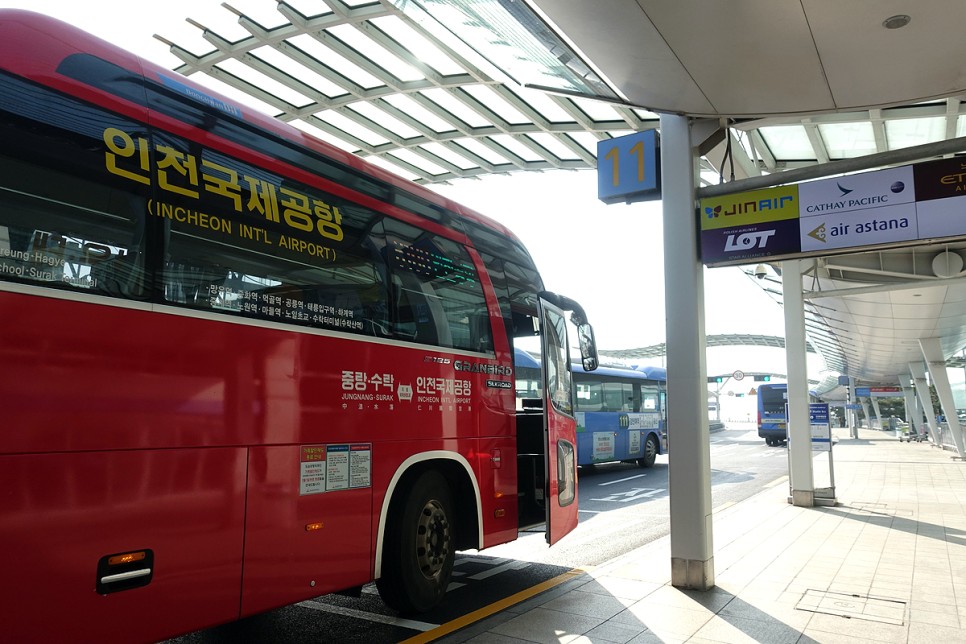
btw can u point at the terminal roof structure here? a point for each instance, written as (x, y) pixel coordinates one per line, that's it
(437, 90)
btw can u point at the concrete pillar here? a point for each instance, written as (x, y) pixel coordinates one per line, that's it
(854, 412)
(913, 417)
(689, 459)
(799, 430)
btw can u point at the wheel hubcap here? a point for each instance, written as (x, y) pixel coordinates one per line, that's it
(432, 539)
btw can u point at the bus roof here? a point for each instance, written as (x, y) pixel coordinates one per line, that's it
(624, 372)
(524, 360)
(654, 373)
(781, 386)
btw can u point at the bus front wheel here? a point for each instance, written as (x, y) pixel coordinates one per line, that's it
(418, 550)
(650, 452)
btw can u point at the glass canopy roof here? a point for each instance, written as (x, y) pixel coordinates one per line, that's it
(386, 80)
(437, 90)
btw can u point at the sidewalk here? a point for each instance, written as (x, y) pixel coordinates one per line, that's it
(887, 564)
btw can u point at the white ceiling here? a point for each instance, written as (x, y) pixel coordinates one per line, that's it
(866, 312)
(797, 83)
(754, 58)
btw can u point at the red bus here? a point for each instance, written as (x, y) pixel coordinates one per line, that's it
(240, 368)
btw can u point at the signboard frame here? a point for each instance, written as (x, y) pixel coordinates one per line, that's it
(874, 210)
(629, 168)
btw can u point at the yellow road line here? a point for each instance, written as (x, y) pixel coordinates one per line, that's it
(780, 479)
(496, 607)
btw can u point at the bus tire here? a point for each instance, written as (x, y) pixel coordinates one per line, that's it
(650, 452)
(418, 550)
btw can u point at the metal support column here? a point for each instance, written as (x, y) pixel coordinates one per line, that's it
(936, 362)
(913, 417)
(918, 370)
(865, 410)
(801, 480)
(852, 415)
(689, 461)
(878, 414)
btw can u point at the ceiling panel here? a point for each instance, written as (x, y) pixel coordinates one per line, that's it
(762, 61)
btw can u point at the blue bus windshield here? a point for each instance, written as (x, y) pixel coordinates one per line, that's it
(620, 411)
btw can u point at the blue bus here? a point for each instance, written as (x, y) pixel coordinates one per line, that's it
(620, 411)
(772, 422)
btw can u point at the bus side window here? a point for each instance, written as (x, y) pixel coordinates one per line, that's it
(613, 396)
(191, 284)
(591, 398)
(418, 315)
(121, 276)
(437, 295)
(63, 231)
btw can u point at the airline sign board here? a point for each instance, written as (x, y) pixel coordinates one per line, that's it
(880, 209)
(747, 225)
(860, 210)
(941, 193)
(878, 392)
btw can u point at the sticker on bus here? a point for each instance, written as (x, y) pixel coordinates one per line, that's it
(326, 468)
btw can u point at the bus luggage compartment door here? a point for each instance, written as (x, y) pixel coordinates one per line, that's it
(171, 520)
(304, 537)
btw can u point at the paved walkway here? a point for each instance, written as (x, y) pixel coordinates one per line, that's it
(887, 564)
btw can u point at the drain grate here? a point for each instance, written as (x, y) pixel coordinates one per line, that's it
(879, 509)
(872, 609)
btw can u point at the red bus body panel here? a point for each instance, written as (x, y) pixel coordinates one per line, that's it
(203, 437)
(60, 513)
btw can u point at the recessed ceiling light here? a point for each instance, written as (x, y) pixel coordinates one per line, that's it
(896, 22)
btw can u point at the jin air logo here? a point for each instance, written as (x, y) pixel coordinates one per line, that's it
(819, 233)
(713, 212)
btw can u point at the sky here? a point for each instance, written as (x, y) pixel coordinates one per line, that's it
(607, 257)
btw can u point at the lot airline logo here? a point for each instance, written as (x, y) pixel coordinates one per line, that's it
(743, 241)
(749, 208)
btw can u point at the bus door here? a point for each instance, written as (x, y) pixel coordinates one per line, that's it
(559, 424)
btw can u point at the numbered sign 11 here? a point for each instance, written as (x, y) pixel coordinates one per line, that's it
(628, 168)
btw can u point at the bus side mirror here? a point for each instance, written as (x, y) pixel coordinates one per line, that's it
(588, 346)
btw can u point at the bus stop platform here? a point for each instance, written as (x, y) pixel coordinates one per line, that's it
(887, 563)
